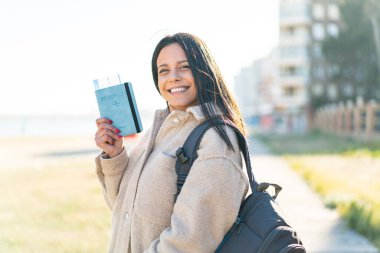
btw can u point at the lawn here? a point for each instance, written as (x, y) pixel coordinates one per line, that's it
(50, 201)
(320, 143)
(344, 171)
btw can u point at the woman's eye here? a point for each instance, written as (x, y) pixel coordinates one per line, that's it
(185, 67)
(162, 71)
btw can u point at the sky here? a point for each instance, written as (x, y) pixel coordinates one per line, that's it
(50, 51)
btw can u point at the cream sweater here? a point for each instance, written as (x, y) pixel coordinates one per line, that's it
(140, 186)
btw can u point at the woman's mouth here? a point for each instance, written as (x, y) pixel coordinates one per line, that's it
(181, 89)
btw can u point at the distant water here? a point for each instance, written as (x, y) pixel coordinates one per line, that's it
(46, 126)
(52, 126)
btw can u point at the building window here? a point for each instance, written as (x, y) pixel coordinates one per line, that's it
(318, 11)
(335, 69)
(333, 11)
(294, 10)
(317, 51)
(332, 92)
(293, 52)
(289, 91)
(318, 31)
(317, 89)
(333, 30)
(318, 71)
(348, 90)
(290, 30)
(293, 71)
(302, 32)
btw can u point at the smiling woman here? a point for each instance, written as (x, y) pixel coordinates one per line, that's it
(212, 93)
(175, 79)
(140, 185)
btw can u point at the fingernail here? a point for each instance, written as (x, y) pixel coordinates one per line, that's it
(111, 121)
(120, 136)
(117, 131)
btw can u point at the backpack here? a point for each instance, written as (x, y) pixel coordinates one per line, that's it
(259, 227)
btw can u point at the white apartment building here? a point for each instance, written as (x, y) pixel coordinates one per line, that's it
(304, 24)
(256, 89)
(293, 64)
(283, 84)
(246, 90)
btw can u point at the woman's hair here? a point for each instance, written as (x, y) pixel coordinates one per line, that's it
(210, 84)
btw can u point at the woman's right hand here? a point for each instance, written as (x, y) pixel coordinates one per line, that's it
(107, 138)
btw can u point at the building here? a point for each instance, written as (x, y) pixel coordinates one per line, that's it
(255, 88)
(304, 24)
(285, 83)
(293, 64)
(246, 90)
(325, 22)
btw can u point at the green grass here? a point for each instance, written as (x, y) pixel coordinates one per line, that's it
(320, 143)
(53, 209)
(354, 195)
(344, 171)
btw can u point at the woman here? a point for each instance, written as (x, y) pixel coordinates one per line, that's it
(140, 186)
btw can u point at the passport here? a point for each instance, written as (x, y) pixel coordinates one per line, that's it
(118, 104)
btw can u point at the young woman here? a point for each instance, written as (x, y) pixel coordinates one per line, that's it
(140, 186)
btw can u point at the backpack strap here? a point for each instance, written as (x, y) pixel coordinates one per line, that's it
(187, 154)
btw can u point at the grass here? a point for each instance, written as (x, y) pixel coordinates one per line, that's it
(344, 171)
(55, 208)
(320, 143)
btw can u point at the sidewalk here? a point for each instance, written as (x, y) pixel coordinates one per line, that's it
(320, 229)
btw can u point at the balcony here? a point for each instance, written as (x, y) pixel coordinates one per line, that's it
(295, 80)
(298, 40)
(294, 14)
(295, 21)
(296, 101)
(292, 61)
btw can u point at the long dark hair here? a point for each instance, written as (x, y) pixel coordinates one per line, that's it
(210, 84)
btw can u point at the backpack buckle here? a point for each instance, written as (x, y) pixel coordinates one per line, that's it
(264, 185)
(180, 155)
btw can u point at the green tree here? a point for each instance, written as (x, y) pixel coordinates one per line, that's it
(351, 57)
(372, 9)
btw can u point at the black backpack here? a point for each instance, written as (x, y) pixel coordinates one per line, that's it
(259, 227)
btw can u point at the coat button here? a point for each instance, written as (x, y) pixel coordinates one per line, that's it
(126, 215)
(175, 121)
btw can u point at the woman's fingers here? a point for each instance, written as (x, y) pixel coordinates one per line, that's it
(105, 126)
(102, 139)
(108, 137)
(110, 133)
(104, 123)
(103, 120)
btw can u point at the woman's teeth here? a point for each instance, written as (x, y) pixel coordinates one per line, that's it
(178, 89)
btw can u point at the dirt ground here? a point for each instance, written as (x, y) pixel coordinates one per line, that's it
(37, 152)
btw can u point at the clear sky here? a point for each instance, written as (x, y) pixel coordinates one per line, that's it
(50, 51)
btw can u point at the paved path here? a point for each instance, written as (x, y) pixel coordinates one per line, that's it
(320, 229)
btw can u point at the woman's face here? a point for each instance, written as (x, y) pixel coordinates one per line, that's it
(175, 79)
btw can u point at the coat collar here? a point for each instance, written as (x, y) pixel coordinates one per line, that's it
(196, 111)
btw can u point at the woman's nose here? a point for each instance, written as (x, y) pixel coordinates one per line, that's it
(174, 76)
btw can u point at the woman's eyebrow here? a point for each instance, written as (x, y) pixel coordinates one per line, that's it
(165, 64)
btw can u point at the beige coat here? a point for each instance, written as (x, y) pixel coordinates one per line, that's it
(140, 189)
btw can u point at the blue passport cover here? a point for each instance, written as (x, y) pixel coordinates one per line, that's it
(118, 104)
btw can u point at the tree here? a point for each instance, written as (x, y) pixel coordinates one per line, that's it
(372, 9)
(352, 57)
